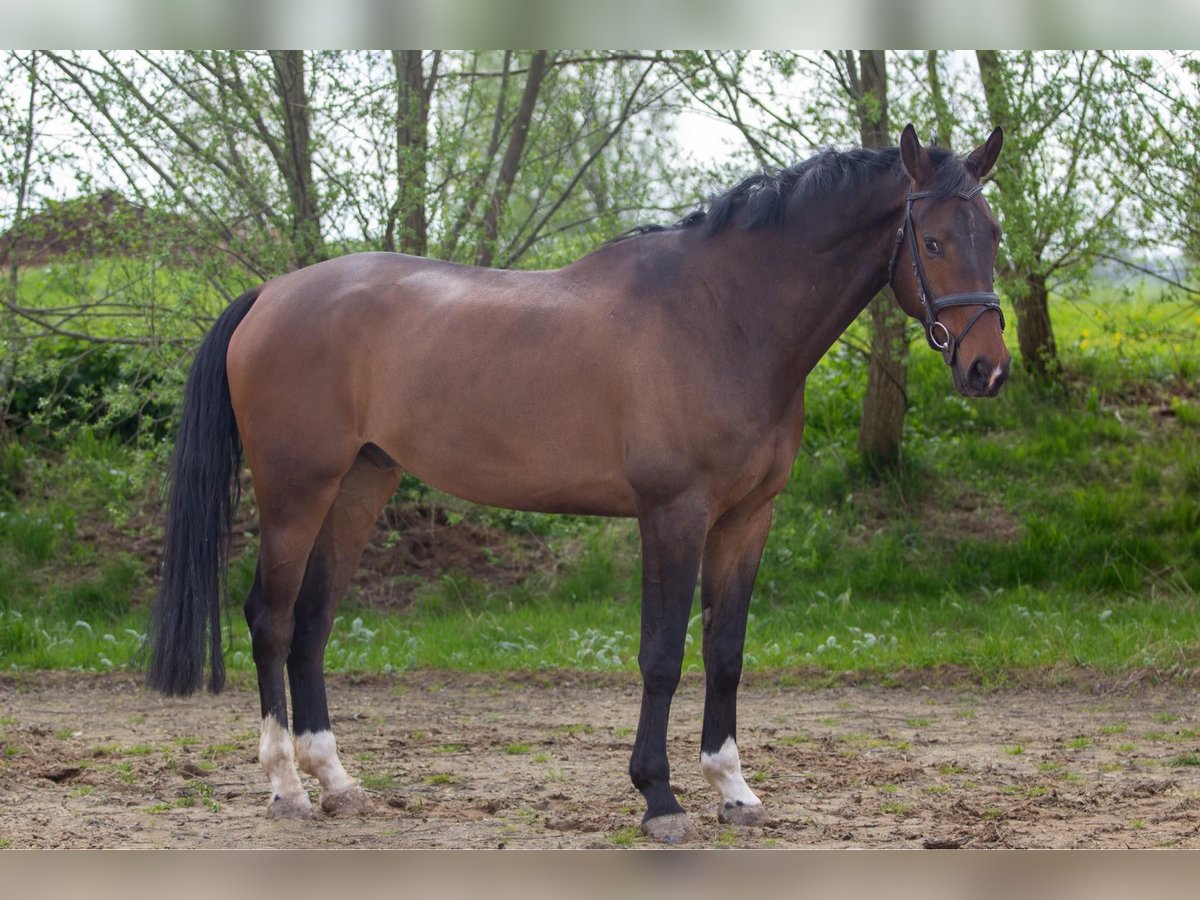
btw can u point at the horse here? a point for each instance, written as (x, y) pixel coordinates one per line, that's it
(659, 377)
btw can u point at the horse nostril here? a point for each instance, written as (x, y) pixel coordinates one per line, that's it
(985, 378)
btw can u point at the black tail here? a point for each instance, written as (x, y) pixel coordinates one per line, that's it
(200, 511)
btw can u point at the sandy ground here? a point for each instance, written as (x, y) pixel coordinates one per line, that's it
(455, 760)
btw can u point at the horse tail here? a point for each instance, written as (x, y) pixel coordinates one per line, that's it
(204, 493)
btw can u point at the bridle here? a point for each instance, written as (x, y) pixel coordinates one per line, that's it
(930, 302)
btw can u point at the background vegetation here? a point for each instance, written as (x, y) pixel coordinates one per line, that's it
(1051, 531)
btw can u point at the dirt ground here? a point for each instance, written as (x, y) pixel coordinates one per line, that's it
(539, 761)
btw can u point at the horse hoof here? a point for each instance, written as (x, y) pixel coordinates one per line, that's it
(286, 808)
(676, 828)
(350, 802)
(741, 814)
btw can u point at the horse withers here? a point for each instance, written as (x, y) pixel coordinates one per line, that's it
(660, 377)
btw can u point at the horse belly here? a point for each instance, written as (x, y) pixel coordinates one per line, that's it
(545, 441)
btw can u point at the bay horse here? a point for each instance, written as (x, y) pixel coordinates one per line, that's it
(661, 377)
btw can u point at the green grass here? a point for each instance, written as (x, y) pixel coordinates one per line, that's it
(1043, 530)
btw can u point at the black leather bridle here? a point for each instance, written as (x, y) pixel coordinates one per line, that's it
(930, 302)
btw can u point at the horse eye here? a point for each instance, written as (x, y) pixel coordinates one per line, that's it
(932, 246)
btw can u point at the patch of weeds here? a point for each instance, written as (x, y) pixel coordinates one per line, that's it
(104, 750)
(416, 735)
(1137, 824)
(938, 789)
(1049, 766)
(1071, 776)
(896, 807)
(727, 839)
(187, 741)
(125, 772)
(622, 731)
(8, 720)
(793, 739)
(1115, 728)
(901, 746)
(1188, 759)
(541, 757)
(1159, 737)
(448, 748)
(1125, 748)
(1111, 767)
(377, 782)
(965, 713)
(205, 793)
(576, 728)
(1037, 790)
(137, 750)
(82, 791)
(758, 776)
(1167, 718)
(1015, 750)
(951, 769)
(918, 722)
(137, 719)
(891, 788)
(525, 815)
(212, 751)
(556, 774)
(65, 734)
(1078, 743)
(442, 778)
(516, 749)
(992, 812)
(626, 837)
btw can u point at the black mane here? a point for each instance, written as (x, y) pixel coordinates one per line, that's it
(761, 201)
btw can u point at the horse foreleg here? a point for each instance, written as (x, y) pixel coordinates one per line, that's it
(672, 538)
(731, 557)
(335, 556)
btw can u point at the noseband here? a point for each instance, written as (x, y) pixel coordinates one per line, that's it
(930, 302)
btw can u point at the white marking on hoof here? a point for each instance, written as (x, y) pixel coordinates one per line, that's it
(676, 828)
(317, 754)
(340, 794)
(723, 770)
(288, 797)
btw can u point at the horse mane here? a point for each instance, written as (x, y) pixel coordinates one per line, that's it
(762, 200)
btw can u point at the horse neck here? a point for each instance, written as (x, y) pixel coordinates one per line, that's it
(803, 284)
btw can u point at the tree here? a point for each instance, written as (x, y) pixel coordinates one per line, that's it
(881, 430)
(1060, 199)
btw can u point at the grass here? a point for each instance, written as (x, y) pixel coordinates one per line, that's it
(1042, 531)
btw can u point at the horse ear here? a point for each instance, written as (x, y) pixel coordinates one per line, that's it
(983, 157)
(914, 156)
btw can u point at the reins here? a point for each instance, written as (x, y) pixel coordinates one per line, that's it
(930, 302)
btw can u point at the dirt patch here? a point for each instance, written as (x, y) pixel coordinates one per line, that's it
(457, 760)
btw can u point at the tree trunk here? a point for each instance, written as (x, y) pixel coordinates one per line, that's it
(11, 339)
(511, 161)
(943, 121)
(881, 431)
(296, 163)
(1035, 334)
(412, 153)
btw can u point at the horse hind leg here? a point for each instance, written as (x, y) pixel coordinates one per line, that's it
(334, 558)
(292, 509)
